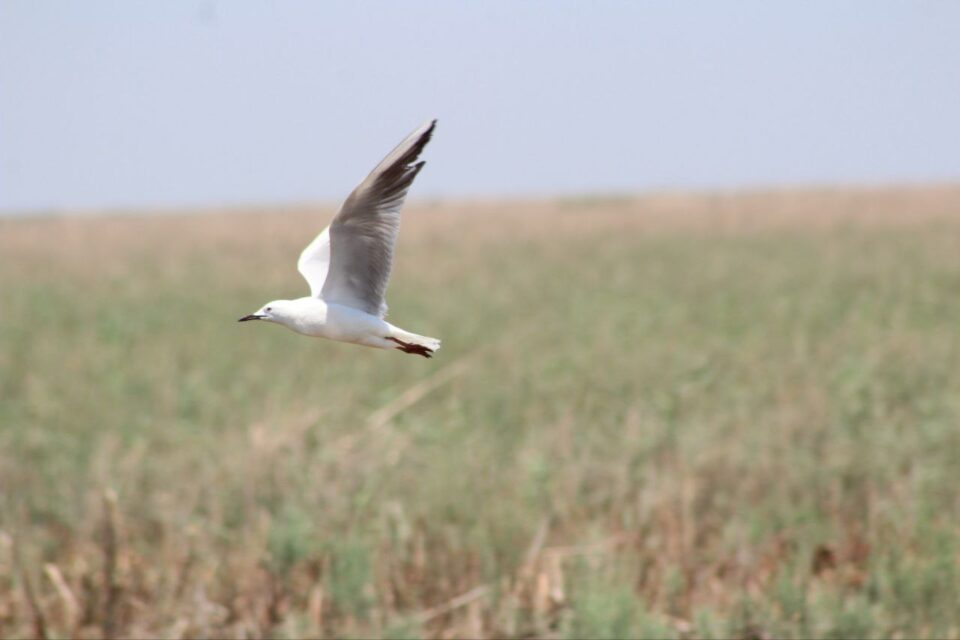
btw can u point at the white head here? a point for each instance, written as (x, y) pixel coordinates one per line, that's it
(279, 311)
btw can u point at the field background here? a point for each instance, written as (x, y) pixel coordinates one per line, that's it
(697, 416)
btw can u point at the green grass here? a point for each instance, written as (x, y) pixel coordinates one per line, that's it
(641, 426)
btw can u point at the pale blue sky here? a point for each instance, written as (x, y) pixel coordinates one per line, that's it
(166, 103)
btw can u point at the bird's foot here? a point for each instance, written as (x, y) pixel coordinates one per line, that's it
(409, 347)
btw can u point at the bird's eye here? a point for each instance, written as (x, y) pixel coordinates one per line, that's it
(267, 309)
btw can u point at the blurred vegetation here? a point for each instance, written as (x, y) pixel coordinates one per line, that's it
(677, 416)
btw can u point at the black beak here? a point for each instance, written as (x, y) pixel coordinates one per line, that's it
(252, 316)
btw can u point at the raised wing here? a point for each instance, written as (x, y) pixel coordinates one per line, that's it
(314, 262)
(353, 256)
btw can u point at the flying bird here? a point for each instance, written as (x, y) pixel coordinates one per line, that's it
(348, 265)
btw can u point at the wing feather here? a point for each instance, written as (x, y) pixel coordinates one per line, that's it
(357, 255)
(314, 262)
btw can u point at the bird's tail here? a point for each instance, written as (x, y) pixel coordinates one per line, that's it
(413, 343)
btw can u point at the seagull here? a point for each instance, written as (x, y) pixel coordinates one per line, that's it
(348, 265)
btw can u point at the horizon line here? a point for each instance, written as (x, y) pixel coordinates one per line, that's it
(201, 208)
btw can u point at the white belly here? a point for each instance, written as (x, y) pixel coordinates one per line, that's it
(345, 324)
(353, 325)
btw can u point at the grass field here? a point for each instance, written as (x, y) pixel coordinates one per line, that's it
(672, 416)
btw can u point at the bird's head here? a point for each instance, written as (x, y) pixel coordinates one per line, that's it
(279, 311)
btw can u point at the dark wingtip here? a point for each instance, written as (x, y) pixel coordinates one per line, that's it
(415, 168)
(425, 137)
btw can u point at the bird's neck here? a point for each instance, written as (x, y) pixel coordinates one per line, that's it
(306, 315)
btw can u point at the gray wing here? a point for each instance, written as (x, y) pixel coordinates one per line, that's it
(364, 231)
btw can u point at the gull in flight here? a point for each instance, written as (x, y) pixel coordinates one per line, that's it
(348, 265)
